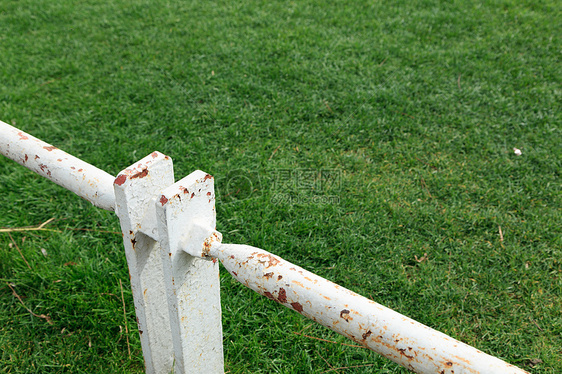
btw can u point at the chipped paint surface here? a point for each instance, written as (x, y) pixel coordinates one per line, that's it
(83, 179)
(397, 337)
(186, 222)
(135, 199)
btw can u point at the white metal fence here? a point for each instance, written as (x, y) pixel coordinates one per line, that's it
(172, 249)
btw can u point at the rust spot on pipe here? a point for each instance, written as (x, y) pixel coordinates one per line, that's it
(192, 194)
(26, 158)
(207, 176)
(279, 277)
(463, 359)
(345, 315)
(50, 148)
(163, 200)
(297, 306)
(282, 295)
(119, 180)
(272, 259)
(268, 295)
(448, 363)
(403, 353)
(140, 174)
(235, 273)
(37, 157)
(366, 335)
(154, 154)
(133, 242)
(208, 243)
(268, 275)
(208, 193)
(22, 136)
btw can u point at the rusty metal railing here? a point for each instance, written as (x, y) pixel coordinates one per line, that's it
(168, 234)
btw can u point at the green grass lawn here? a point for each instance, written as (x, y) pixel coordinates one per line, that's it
(377, 139)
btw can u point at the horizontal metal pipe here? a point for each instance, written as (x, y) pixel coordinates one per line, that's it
(83, 179)
(401, 339)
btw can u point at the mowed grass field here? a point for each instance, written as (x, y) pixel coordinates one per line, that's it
(369, 142)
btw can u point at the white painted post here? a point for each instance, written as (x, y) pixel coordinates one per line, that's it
(192, 282)
(136, 189)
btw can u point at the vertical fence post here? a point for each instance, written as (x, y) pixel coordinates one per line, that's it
(136, 189)
(192, 282)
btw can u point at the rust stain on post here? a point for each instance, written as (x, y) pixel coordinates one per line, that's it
(120, 179)
(140, 174)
